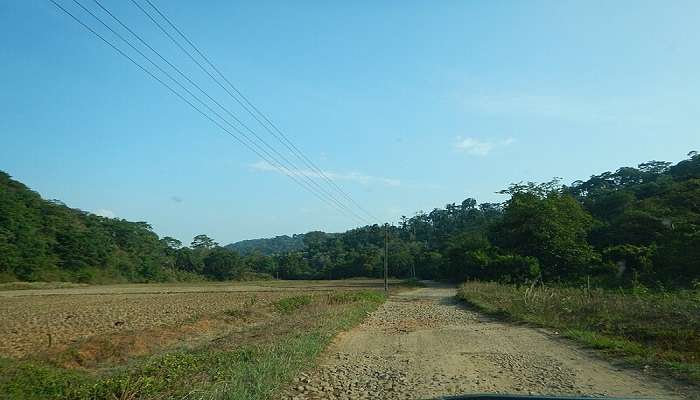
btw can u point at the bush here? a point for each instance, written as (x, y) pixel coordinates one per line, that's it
(514, 268)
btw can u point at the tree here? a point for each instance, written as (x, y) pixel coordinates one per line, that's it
(171, 242)
(188, 260)
(549, 225)
(222, 264)
(203, 242)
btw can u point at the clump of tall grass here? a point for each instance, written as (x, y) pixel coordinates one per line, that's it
(288, 305)
(643, 326)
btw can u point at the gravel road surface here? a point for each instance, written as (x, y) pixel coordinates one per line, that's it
(422, 344)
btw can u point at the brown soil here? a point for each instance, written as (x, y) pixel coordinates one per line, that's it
(87, 325)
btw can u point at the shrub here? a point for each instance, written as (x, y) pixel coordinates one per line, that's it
(514, 268)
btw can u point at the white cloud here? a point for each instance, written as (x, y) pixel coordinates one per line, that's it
(105, 213)
(480, 147)
(347, 176)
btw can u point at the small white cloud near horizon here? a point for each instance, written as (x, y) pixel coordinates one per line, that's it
(105, 213)
(480, 147)
(347, 176)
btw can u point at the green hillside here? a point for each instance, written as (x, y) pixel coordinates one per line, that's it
(269, 246)
(42, 240)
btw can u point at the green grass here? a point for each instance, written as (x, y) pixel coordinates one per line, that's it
(39, 285)
(290, 304)
(661, 330)
(354, 296)
(256, 368)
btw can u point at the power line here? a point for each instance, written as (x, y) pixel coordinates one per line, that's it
(179, 95)
(279, 165)
(282, 137)
(286, 160)
(279, 135)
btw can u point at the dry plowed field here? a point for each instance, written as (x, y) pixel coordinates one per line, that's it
(145, 316)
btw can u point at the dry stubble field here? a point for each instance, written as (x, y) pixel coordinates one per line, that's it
(171, 341)
(138, 316)
(243, 340)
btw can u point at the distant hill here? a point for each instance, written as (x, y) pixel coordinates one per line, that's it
(269, 246)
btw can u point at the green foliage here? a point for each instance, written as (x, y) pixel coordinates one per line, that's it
(634, 225)
(46, 241)
(513, 268)
(222, 264)
(551, 226)
(268, 247)
(290, 304)
(203, 242)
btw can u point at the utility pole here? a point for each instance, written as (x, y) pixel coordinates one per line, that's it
(386, 257)
(413, 264)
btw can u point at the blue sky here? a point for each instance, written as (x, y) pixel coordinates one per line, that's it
(408, 105)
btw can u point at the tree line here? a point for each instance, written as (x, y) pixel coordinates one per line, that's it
(633, 225)
(638, 224)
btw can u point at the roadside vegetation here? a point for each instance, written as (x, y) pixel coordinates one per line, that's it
(656, 330)
(268, 347)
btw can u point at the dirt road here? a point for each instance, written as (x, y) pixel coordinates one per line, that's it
(423, 344)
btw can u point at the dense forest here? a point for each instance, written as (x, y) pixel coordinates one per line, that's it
(269, 246)
(633, 225)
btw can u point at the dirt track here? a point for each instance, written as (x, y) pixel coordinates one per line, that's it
(423, 344)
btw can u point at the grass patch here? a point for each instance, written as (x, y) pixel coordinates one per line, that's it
(656, 329)
(246, 311)
(33, 380)
(290, 304)
(353, 296)
(251, 364)
(39, 285)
